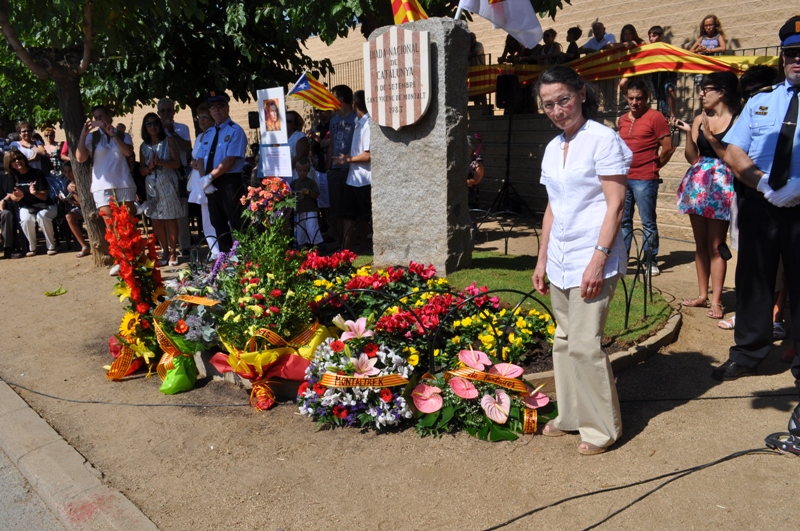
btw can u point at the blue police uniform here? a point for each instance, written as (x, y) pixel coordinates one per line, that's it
(224, 206)
(766, 232)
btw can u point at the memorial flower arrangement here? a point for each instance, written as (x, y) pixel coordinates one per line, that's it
(139, 283)
(266, 203)
(356, 381)
(489, 401)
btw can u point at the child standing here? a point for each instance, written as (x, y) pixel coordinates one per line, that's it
(712, 39)
(307, 190)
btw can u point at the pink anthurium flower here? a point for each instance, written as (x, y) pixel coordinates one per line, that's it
(427, 398)
(536, 400)
(474, 359)
(463, 388)
(365, 366)
(509, 370)
(356, 329)
(497, 408)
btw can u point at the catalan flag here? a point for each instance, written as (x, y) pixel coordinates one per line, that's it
(407, 11)
(314, 93)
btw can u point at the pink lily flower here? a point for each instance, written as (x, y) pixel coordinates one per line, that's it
(356, 329)
(509, 370)
(427, 398)
(497, 408)
(463, 388)
(536, 400)
(365, 366)
(474, 359)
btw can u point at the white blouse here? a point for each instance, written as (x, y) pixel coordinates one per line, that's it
(577, 201)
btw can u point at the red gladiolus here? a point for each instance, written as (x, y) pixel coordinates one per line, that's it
(337, 346)
(181, 327)
(386, 395)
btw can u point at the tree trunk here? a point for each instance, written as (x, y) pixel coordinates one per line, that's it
(68, 91)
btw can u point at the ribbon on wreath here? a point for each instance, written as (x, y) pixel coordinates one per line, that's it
(337, 380)
(280, 359)
(122, 365)
(529, 421)
(513, 384)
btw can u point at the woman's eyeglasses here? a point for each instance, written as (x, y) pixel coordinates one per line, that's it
(151, 124)
(24, 131)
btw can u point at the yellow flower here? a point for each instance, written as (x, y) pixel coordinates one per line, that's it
(237, 318)
(533, 312)
(338, 280)
(318, 298)
(290, 293)
(415, 289)
(122, 289)
(128, 324)
(488, 340)
(502, 312)
(413, 360)
(258, 310)
(456, 340)
(466, 321)
(392, 310)
(270, 276)
(505, 353)
(456, 324)
(511, 337)
(228, 315)
(520, 323)
(545, 317)
(518, 342)
(158, 292)
(249, 274)
(320, 282)
(436, 352)
(551, 329)
(244, 300)
(517, 310)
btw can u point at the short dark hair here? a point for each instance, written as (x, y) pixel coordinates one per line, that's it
(360, 100)
(303, 161)
(568, 76)
(755, 78)
(161, 133)
(101, 108)
(638, 84)
(575, 32)
(345, 93)
(658, 30)
(22, 124)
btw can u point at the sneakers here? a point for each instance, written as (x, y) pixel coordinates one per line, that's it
(654, 270)
(114, 270)
(30, 253)
(51, 252)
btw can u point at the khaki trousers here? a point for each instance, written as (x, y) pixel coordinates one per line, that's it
(587, 394)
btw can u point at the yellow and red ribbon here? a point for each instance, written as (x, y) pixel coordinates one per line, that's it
(337, 380)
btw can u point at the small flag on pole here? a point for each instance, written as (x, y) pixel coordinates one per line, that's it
(314, 93)
(407, 11)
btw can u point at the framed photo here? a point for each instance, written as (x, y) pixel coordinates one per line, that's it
(272, 116)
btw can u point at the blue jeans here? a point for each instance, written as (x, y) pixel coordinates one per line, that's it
(644, 194)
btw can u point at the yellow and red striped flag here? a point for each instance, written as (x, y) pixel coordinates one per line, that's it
(407, 11)
(314, 93)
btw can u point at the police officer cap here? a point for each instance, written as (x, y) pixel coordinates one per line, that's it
(790, 33)
(217, 97)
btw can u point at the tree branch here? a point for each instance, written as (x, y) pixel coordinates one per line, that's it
(87, 38)
(16, 46)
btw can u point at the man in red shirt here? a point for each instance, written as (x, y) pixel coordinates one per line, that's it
(646, 132)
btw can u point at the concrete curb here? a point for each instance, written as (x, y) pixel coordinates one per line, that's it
(63, 479)
(625, 358)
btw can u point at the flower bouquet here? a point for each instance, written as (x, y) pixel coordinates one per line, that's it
(268, 202)
(355, 381)
(490, 401)
(140, 283)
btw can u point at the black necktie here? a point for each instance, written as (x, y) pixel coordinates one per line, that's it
(210, 159)
(783, 150)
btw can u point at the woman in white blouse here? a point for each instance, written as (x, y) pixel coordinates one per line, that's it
(582, 253)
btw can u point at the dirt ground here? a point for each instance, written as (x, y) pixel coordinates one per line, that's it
(220, 467)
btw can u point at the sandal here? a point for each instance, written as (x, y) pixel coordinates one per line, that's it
(585, 448)
(728, 324)
(778, 331)
(697, 302)
(85, 251)
(784, 442)
(716, 314)
(551, 431)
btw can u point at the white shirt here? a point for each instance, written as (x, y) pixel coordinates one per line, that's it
(109, 166)
(577, 202)
(292, 141)
(594, 44)
(360, 173)
(29, 153)
(182, 130)
(231, 142)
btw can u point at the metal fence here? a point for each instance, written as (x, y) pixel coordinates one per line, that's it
(350, 73)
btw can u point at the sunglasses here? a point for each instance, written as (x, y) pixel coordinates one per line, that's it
(16, 159)
(791, 53)
(218, 106)
(23, 131)
(151, 124)
(203, 117)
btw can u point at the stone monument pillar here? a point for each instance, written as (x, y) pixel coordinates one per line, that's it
(419, 168)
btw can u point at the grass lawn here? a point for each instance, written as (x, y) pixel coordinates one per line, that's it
(499, 271)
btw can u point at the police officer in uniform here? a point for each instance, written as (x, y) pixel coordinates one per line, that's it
(764, 152)
(224, 149)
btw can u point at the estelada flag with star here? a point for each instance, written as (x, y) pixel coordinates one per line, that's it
(407, 11)
(314, 93)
